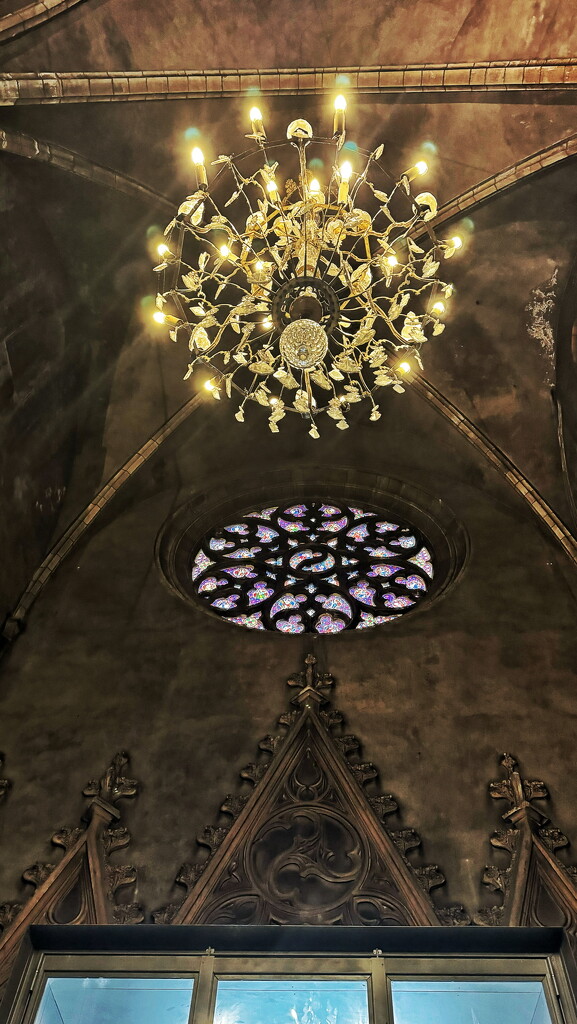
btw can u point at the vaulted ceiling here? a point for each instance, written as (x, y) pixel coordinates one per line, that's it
(93, 157)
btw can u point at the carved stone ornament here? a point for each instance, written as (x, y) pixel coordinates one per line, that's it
(82, 888)
(536, 888)
(308, 845)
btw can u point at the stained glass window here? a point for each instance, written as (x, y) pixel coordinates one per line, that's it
(312, 568)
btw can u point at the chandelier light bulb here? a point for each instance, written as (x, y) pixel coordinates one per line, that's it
(159, 317)
(392, 261)
(315, 188)
(405, 367)
(256, 123)
(198, 161)
(339, 118)
(162, 249)
(345, 171)
(259, 265)
(439, 308)
(224, 252)
(456, 242)
(209, 385)
(419, 168)
(272, 190)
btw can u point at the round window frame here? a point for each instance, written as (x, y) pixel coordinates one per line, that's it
(182, 533)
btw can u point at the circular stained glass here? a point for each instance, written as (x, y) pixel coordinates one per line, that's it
(312, 568)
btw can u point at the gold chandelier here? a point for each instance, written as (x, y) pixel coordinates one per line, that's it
(305, 297)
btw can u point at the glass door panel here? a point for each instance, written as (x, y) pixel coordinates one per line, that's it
(469, 1002)
(291, 1001)
(115, 1000)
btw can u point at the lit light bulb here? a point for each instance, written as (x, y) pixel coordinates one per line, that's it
(272, 190)
(267, 323)
(339, 118)
(198, 161)
(259, 265)
(439, 308)
(456, 242)
(419, 168)
(405, 367)
(256, 123)
(273, 401)
(345, 171)
(209, 385)
(224, 251)
(392, 261)
(159, 317)
(162, 249)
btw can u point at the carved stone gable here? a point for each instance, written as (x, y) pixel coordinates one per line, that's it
(308, 846)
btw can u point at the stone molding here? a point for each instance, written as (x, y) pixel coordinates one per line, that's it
(121, 86)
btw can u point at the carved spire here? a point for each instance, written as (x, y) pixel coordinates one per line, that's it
(309, 776)
(530, 841)
(82, 888)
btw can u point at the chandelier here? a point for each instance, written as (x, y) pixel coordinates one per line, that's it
(297, 295)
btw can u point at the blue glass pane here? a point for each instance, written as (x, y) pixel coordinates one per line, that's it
(469, 1002)
(293, 1001)
(115, 1001)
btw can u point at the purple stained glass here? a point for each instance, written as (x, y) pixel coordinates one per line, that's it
(363, 592)
(423, 560)
(259, 593)
(404, 542)
(210, 583)
(265, 513)
(368, 620)
(392, 601)
(266, 534)
(219, 544)
(296, 510)
(294, 624)
(226, 603)
(382, 552)
(250, 621)
(290, 526)
(296, 560)
(359, 533)
(336, 525)
(287, 601)
(314, 540)
(329, 624)
(242, 572)
(242, 553)
(336, 603)
(201, 562)
(413, 582)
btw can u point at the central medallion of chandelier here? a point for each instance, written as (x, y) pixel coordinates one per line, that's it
(305, 297)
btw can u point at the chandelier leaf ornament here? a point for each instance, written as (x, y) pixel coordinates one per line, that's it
(300, 296)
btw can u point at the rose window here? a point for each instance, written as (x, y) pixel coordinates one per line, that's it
(312, 568)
